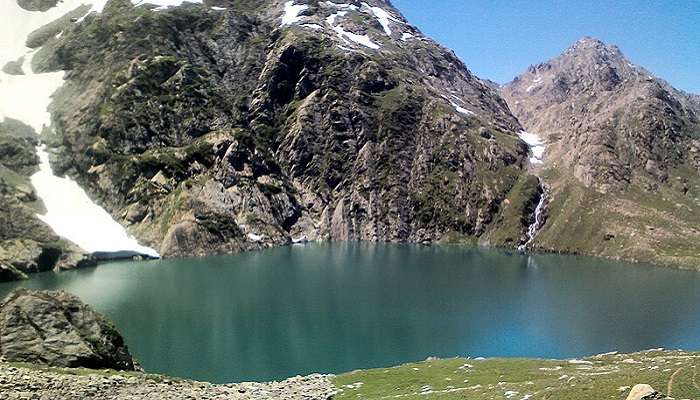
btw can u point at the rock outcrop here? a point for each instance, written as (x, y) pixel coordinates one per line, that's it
(55, 328)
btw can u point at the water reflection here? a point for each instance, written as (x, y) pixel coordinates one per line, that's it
(337, 307)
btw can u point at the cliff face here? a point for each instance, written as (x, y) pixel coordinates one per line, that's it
(233, 125)
(622, 155)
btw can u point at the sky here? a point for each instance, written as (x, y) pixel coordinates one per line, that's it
(499, 39)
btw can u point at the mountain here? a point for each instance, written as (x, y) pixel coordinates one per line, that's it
(622, 158)
(235, 125)
(224, 125)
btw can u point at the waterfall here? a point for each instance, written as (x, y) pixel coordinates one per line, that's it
(535, 226)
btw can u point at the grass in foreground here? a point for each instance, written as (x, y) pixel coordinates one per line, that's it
(601, 377)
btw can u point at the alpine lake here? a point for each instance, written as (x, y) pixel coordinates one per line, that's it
(336, 307)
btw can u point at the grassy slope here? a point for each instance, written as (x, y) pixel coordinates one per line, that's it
(513, 219)
(601, 377)
(658, 226)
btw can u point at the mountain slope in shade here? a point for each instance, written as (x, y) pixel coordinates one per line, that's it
(623, 155)
(233, 125)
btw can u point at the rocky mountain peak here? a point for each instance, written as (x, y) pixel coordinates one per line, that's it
(588, 43)
(610, 117)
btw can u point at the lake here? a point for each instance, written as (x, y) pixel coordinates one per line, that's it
(335, 307)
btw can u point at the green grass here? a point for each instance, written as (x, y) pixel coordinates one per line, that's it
(514, 217)
(601, 377)
(657, 226)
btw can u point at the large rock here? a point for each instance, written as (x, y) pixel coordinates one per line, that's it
(57, 329)
(644, 392)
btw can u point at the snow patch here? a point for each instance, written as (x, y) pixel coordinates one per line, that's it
(363, 40)
(218, 8)
(463, 110)
(315, 27)
(331, 18)
(74, 216)
(383, 17)
(291, 13)
(69, 210)
(27, 97)
(18, 23)
(255, 238)
(535, 84)
(457, 107)
(342, 6)
(300, 240)
(536, 145)
(99, 5)
(407, 36)
(163, 4)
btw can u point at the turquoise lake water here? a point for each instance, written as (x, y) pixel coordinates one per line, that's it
(336, 307)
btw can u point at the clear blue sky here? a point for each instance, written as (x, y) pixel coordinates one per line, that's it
(499, 39)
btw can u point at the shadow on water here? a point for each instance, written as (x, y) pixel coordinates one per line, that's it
(341, 306)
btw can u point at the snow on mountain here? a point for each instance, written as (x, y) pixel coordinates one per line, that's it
(69, 211)
(291, 13)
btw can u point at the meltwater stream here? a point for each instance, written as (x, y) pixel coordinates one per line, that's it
(341, 306)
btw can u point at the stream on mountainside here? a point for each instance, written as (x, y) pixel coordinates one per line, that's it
(335, 307)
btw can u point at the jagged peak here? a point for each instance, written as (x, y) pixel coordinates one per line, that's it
(591, 45)
(588, 42)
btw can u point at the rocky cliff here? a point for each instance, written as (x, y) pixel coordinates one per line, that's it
(622, 155)
(233, 125)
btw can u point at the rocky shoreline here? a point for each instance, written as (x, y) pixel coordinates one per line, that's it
(26, 381)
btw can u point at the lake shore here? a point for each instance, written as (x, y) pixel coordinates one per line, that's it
(606, 376)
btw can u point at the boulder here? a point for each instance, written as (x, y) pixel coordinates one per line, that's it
(57, 329)
(644, 392)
